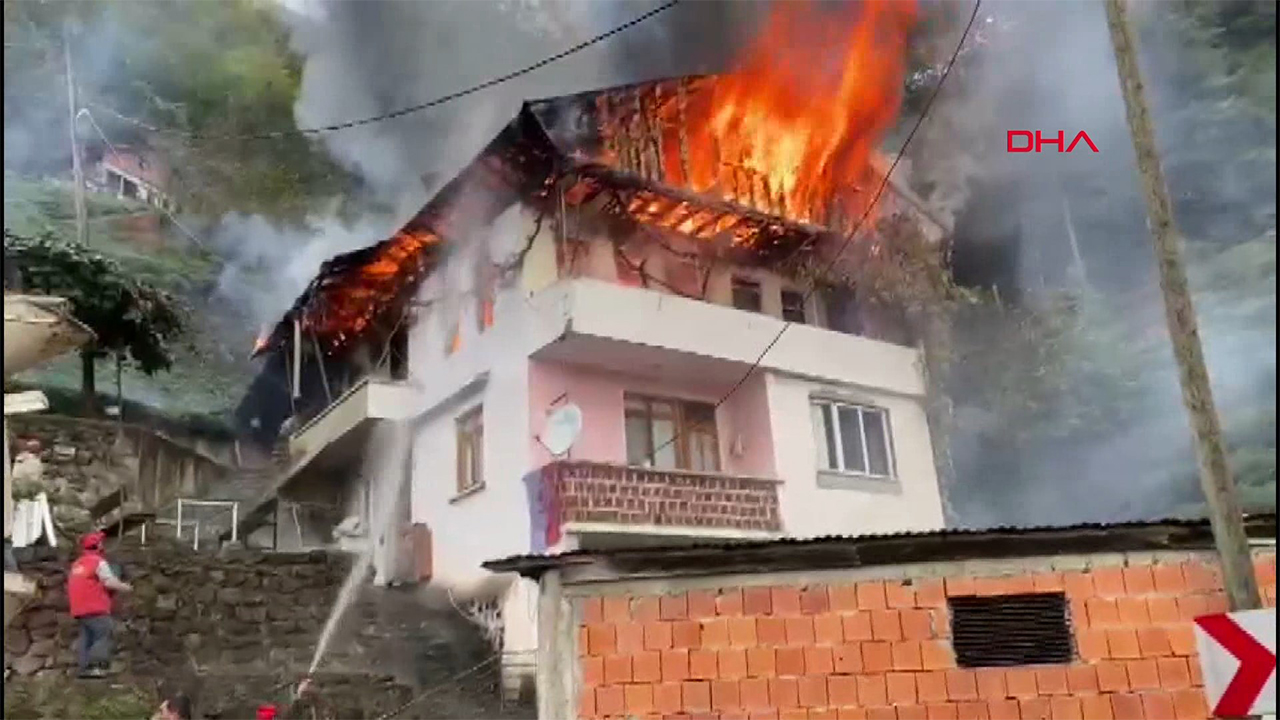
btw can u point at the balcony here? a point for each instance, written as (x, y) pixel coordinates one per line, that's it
(596, 500)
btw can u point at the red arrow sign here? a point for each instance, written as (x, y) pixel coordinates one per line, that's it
(1257, 663)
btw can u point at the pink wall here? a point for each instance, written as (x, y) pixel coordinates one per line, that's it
(599, 395)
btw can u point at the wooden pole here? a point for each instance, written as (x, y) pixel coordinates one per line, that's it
(77, 171)
(1219, 488)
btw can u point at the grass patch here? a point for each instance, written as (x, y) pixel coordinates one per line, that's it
(63, 697)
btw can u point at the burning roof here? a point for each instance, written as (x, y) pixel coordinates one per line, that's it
(767, 160)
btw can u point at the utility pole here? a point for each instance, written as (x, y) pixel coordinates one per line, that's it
(1225, 514)
(82, 219)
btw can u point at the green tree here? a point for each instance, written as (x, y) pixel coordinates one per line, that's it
(129, 317)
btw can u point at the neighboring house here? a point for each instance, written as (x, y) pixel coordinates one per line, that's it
(1089, 622)
(583, 278)
(134, 174)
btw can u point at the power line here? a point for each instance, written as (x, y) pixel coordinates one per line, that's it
(436, 102)
(853, 233)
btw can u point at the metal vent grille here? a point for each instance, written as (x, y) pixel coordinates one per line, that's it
(1010, 630)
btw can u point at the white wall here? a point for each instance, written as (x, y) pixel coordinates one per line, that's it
(911, 502)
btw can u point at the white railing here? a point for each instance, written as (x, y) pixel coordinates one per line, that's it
(235, 516)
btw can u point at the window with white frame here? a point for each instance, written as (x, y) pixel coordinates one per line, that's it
(853, 439)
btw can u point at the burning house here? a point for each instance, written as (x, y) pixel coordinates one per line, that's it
(583, 332)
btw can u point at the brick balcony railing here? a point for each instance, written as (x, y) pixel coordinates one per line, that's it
(591, 492)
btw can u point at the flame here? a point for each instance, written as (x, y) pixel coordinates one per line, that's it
(794, 128)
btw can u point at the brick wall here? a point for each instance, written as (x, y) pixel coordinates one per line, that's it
(880, 649)
(597, 492)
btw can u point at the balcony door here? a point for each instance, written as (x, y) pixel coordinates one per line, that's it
(669, 434)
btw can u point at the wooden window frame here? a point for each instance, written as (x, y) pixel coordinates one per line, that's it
(469, 434)
(685, 429)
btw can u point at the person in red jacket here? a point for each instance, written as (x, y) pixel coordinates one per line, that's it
(90, 584)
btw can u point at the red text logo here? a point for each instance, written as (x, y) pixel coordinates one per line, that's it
(1022, 141)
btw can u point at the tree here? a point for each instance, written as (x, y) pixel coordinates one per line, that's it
(129, 317)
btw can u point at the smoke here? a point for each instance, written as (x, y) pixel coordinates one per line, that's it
(1051, 67)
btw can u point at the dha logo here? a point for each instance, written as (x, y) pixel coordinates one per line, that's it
(1023, 141)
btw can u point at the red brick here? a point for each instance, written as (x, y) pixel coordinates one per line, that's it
(871, 596)
(1154, 642)
(942, 711)
(646, 667)
(1082, 679)
(1133, 611)
(657, 636)
(822, 714)
(602, 639)
(1142, 674)
(784, 693)
(906, 656)
(990, 683)
(1215, 603)
(1021, 683)
(715, 633)
(899, 595)
(609, 700)
(813, 691)
(638, 698)
(675, 665)
(1126, 706)
(1182, 639)
(828, 629)
(932, 686)
(1004, 710)
(757, 601)
(843, 598)
(818, 661)
(695, 696)
(857, 626)
(990, 586)
(1191, 607)
(587, 702)
(1123, 644)
(873, 691)
(1175, 674)
(1112, 676)
(1264, 567)
(666, 698)
(1092, 644)
(1096, 707)
(877, 657)
(786, 600)
(962, 685)
(1190, 705)
(761, 662)
(583, 650)
(593, 671)
(1162, 610)
(673, 607)
(754, 693)
(725, 695)
(1078, 585)
(1138, 580)
(592, 610)
(732, 664)
(1076, 613)
(1066, 708)
(916, 624)
(799, 631)
(852, 713)
(1103, 613)
(702, 664)
(1051, 680)
(813, 600)
(701, 604)
(959, 586)
(1034, 709)
(912, 712)
(729, 603)
(686, 634)
(941, 622)
(790, 661)
(630, 637)
(902, 688)
(771, 632)
(617, 669)
(937, 655)
(1157, 705)
(794, 714)
(1168, 579)
(882, 713)
(1047, 582)
(972, 711)
(1108, 582)
(1201, 577)
(930, 593)
(886, 625)
(617, 608)
(848, 658)
(842, 690)
(1197, 679)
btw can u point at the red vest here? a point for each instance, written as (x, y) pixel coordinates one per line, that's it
(86, 594)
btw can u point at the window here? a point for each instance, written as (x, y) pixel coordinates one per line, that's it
(1032, 628)
(793, 306)
(486, 283)
(746, 295)
(842, 310)
(683, 277)
(853, 439)
(671, 434)
(471, 450)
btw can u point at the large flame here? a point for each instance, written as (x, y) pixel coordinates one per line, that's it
(794, 127)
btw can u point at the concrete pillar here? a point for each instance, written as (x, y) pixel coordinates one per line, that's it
(557, 670)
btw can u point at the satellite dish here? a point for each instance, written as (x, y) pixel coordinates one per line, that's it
(562, 429)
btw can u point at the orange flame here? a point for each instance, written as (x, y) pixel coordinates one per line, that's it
(794, 128)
